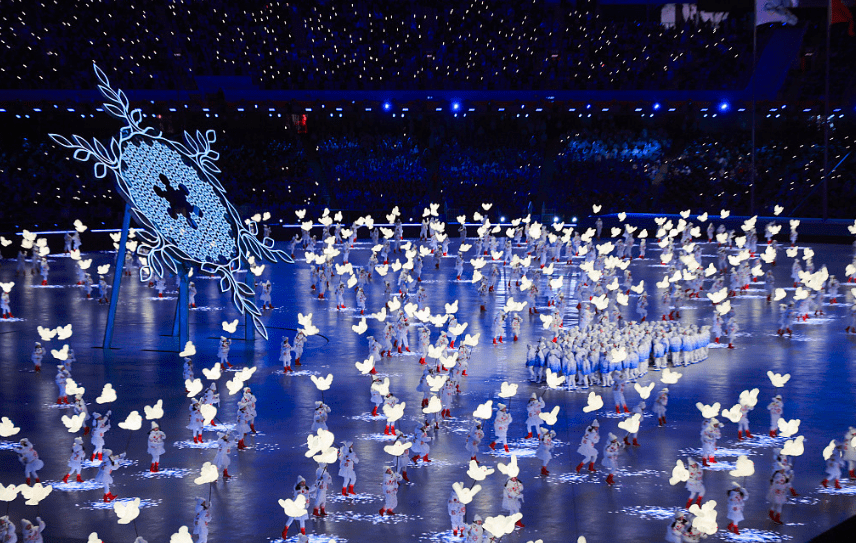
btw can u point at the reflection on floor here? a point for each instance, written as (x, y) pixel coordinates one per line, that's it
(144, 367)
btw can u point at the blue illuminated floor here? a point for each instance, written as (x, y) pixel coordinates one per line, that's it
(558, 508)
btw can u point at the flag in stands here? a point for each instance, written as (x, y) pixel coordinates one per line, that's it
(841, 14)
(775, 11)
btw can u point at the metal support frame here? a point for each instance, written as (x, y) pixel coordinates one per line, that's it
(119, 271)
(249, 327)
(180, 326)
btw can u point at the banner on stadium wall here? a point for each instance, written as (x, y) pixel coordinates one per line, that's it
(688, 12)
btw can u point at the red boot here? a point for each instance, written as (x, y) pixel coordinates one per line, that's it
(65, 479)
(79, 478)
(580, 466)
(492, 445)
(351, 490)
(344, 491)
(610, 480)
(374, 411)
(544, 471)
(285, 533)
(506, 448)
(226, 474)
(591, 467)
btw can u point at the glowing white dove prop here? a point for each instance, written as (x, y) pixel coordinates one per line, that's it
(670, 377)
(550, 417)
(593, 403)
(74, 422)
(235, 384)
(645, 391)
(708, 411)
(680, 474)
(8, 493)
(631, 424)
(749, 397)
(436, 352)
(380, 315)
(132, 422)
(7, 429)
(208, 412)
(778, 379)
(63, 332)
(7, 287)
(154, 412)
(318, 442)
(500, 525)
(547, 320)
(46, 334)
(554, 380)
(306, 323)
(72, 389)
(788, 428)
(477, 472)
(828, 450)
(61, 354)
(107, 395)
(294, 508)
(397, 448)
(718, 296)
(465, 495)
(794, 447)
(705, 517)
(434, 405)
(395, 412)
(189, 350)
(382, 387)
(214, 373)
(394, 305)
(436, 382)
(458, 329)
(322, 383)
(484, 411)
(365, 367)
(230, 327)
(127, 511)
(181, 536)
(34, 494)
(733, 414)
(507, 390)
(511, 469)
(779, 294)
(743, 468)
(193, 387)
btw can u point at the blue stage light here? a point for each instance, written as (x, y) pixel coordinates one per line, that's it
(657, 106)
(456, 106)
(724, 106)
(387, 106)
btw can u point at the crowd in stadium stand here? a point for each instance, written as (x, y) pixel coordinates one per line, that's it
(376, 44)
(626, 169)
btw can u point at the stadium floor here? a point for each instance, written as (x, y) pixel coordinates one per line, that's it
(144, 367)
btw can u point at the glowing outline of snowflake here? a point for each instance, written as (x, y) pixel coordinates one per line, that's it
(158, 249)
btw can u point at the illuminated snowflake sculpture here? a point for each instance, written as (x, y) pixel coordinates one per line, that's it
(174, 195)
